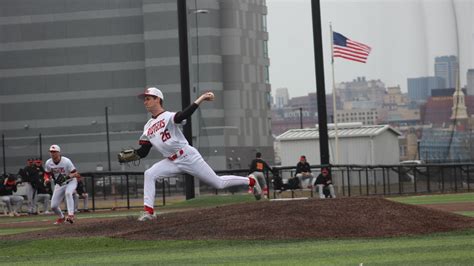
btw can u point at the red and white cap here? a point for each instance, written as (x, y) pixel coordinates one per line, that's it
(151, 91)
(55, 147)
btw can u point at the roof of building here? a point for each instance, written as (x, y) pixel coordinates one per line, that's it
(344, 131)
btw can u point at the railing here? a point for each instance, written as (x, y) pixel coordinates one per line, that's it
(112, 190)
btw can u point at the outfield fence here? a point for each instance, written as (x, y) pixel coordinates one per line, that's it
(125, 189)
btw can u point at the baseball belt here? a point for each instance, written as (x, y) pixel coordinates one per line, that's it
(176, 155)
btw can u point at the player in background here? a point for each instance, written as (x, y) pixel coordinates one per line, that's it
(257, 167)
(27, 178)
(163, 133)
(65, 176)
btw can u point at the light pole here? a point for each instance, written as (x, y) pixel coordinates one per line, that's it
(321, 89)
(185, 84)
(196, 13)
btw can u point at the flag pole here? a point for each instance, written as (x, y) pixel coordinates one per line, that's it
(334, 109)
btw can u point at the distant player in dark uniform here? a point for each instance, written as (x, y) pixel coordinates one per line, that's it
(43, 192)
(28, 183)
(7, 188)
(257, 169)
(303, 172)
(324, 183)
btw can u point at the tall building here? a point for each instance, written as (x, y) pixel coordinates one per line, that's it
(63, 63)
(446, 67)
(419, 89)
(281, 97)
(470, 82)
(366, 94)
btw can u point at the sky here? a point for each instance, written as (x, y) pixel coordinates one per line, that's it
(405, 37)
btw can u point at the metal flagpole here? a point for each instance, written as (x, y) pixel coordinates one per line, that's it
(334, 112)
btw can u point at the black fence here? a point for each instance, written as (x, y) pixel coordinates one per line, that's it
(125, 189)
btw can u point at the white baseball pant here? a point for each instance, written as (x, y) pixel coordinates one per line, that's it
(190, 162)
(61, 192)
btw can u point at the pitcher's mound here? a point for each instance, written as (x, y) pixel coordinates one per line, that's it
(299, 219)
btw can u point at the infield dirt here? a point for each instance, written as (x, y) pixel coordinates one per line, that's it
(296, 219)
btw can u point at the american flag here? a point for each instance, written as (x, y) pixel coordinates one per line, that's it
(349, 49)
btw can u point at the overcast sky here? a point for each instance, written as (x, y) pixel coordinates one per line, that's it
(405, 36)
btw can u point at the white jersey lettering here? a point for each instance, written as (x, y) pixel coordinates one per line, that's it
(164, 134)
(64, 167)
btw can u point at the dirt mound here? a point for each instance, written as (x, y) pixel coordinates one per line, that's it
(296, 219)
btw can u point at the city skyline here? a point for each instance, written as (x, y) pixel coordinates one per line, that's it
(402, 46)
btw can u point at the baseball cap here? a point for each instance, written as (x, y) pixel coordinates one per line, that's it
(55, 147)
(151, 91)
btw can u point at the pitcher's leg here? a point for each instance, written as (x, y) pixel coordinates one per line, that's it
(58, 196)
(160, 169)
(204, 172)
(70, 188)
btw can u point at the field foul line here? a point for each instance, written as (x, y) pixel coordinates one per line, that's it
(288, 199)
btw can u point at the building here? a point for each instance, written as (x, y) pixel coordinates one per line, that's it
(438, 110)
(470, 82)
(446, 67)
(358, 144)
(301, 112)
(394, 98)
(79, 58)
(366, 93)
(365, 116)
(281, 97)
(397, 109)
(419, 89)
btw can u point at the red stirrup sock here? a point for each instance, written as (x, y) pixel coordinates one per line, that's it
(251, 182)
(148, 209)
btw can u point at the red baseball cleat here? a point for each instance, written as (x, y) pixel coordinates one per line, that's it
(60, 221)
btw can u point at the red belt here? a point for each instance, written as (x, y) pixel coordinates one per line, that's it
(176, 155)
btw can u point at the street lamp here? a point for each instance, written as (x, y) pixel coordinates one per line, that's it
(196, 12)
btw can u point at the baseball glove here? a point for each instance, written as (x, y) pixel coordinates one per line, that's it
(129, 155)
(60, 179)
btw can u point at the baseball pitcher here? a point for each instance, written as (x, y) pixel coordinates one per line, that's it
(163, 133)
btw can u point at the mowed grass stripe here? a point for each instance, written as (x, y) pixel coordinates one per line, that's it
(436, 199)
(466, 213)
(453, 247)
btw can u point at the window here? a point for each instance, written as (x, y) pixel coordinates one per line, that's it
(267, 74)
(264, 23)
(265, 49)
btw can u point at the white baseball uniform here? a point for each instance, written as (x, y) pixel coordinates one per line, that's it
(163, 133)
(64, 167)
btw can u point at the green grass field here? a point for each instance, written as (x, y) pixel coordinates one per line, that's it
(453, 248)
(436, 199)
